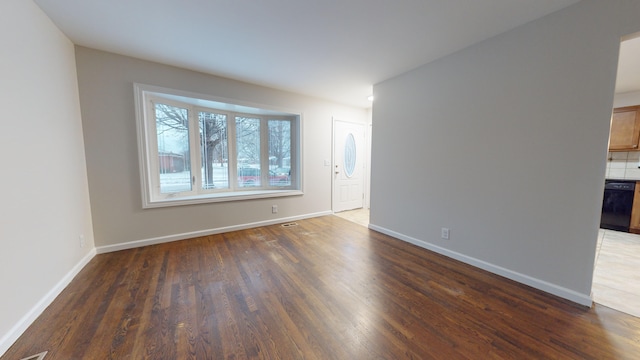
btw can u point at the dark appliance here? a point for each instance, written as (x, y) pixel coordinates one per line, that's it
(617, 204)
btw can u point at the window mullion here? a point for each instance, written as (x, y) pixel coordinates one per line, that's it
(232, 158)
(264, 152)
(152, 146)
(194, 145)
(295, 173)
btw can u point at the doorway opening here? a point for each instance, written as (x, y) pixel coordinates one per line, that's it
(616, 283)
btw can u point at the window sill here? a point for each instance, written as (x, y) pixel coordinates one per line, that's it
(220, 197)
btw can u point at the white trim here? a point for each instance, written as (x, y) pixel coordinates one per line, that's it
(211, 101)
(582, 299)
(21, 326)
(223, 197)
(367, 170)
(194, 234)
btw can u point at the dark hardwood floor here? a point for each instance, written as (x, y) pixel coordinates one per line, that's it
(325, 289)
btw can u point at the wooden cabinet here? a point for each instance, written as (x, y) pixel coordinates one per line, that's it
(634, 227)
(625, 129)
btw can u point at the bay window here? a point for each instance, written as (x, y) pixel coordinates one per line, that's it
(197, 149)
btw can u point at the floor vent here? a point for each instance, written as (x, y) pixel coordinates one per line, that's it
(36, 356)
(289, 224)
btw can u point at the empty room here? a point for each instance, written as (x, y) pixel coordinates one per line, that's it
(178, 178)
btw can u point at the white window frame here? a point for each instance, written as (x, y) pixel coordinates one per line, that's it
(145, 95)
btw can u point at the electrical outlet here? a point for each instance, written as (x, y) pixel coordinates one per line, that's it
(444, 233)
(274, 209)
(81, 237)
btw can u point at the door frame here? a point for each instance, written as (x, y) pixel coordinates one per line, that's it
(367, 128)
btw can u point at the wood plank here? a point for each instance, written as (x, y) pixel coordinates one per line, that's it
(325, 289)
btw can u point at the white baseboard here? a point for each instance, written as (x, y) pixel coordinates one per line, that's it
(8, 339)
(582, 299)
(193, 234)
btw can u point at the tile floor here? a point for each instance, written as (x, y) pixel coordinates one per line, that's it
(616, 278)
(358, 216)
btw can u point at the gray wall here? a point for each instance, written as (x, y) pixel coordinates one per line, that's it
(505, 143)
(45, 197)
(108, 114)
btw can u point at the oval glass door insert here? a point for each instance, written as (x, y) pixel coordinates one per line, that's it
(350, 155)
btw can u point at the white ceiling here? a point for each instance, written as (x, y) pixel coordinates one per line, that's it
(332, 49)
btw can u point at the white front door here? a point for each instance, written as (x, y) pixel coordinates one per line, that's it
(348, 165)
